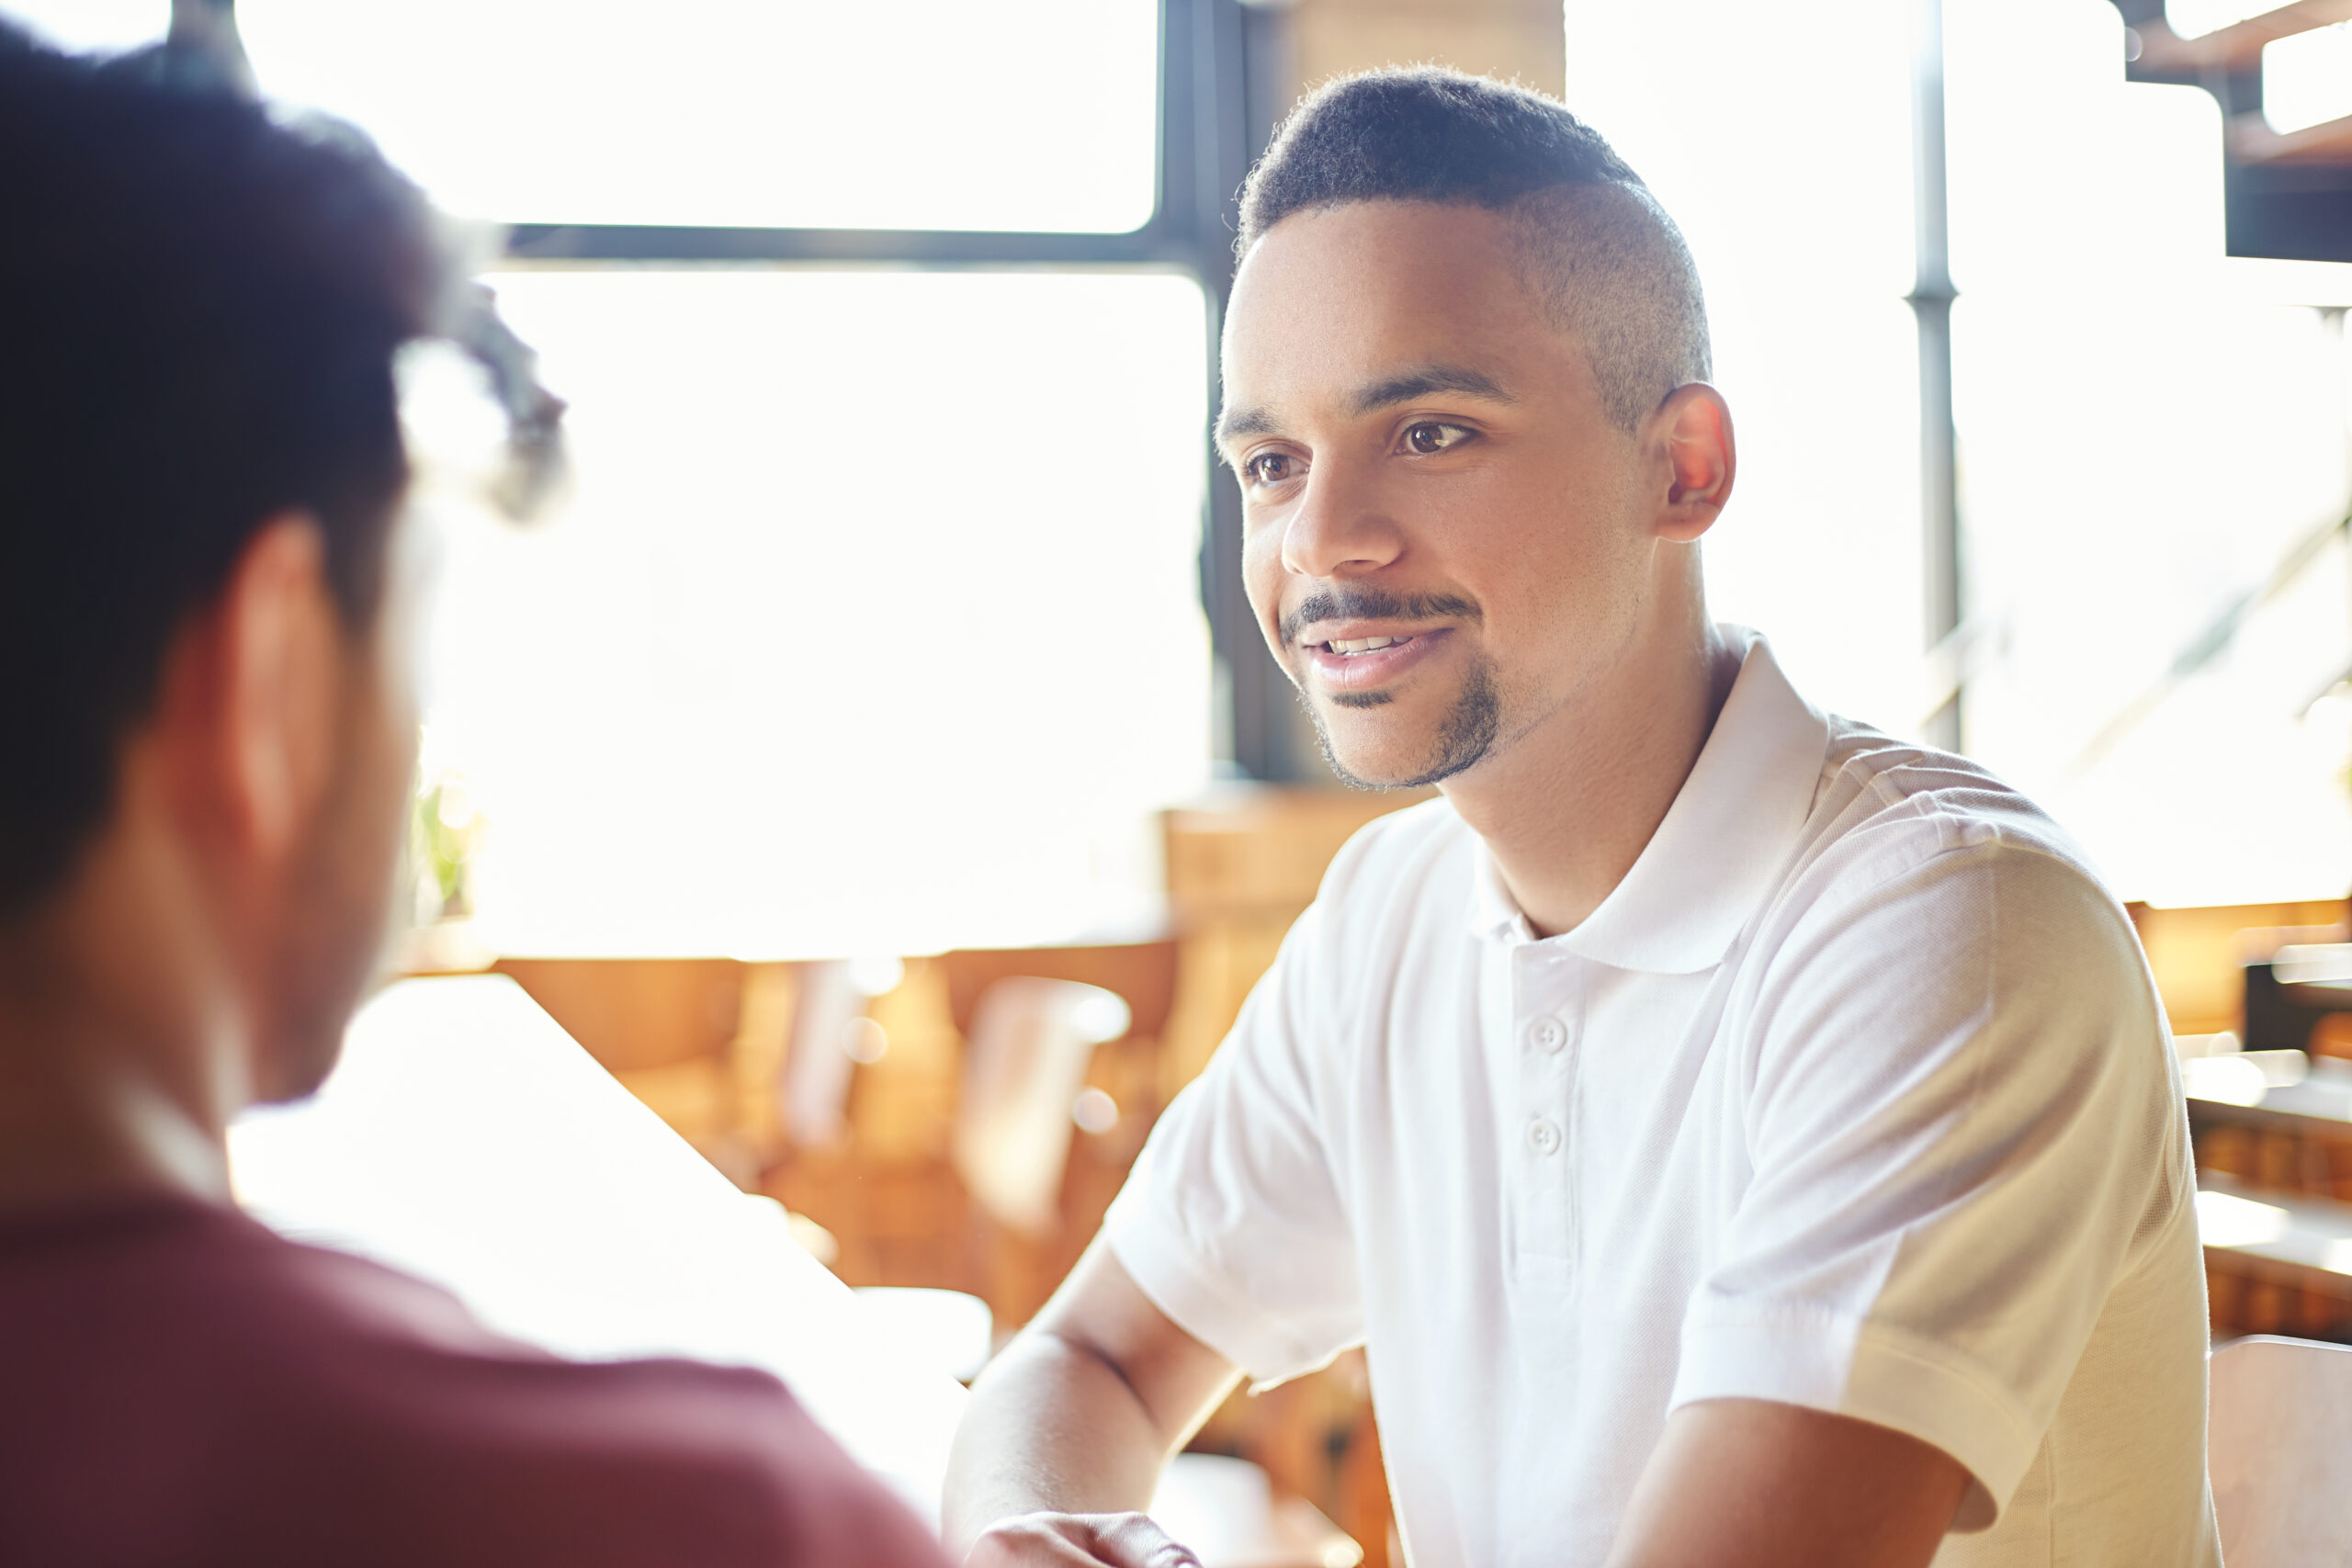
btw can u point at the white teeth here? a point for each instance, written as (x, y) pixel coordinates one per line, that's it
(1362, 645)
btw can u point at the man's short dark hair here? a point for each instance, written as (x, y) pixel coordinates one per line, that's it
(199, 308)
(1600, 252)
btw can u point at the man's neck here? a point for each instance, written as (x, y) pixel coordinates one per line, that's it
(1568, 807)
(110, 1080)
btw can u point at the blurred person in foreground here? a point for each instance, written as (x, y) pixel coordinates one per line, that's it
(1735, 1136)
(207, 597)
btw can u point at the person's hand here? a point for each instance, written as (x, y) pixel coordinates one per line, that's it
(1120, 1540)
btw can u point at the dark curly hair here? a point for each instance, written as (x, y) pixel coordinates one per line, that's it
(1601, 253)
(199, 308)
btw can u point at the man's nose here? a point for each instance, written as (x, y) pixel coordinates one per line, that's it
(1339, 528)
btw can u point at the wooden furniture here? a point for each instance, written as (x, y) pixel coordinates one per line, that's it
(2198, 954)
(466, 1139)
(2274, 1259)
(2279, 1444)
(701, 1041)
(2308, 168)
(2295, 983)
(1026, 1094)
(1241, 867)
(890, 1192)
(2314, 1097)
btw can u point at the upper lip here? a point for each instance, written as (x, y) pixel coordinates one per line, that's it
(1317, 632)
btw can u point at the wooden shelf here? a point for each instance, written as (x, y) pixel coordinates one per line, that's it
(2253, 141)
(2232, 50)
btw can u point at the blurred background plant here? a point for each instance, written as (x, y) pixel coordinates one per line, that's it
(444, 832)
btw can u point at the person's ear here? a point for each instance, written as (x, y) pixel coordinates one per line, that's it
(1692, 429)
(280, 652)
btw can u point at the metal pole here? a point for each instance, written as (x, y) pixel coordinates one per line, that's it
(1931, 298)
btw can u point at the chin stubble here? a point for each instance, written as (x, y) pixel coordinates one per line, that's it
(1467, 735)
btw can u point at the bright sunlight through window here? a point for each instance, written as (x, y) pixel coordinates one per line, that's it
(869, 626)
(891, 114)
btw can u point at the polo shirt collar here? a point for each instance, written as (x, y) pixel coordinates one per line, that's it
(1723, 843)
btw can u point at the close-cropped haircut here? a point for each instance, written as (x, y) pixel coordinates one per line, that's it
(1595, 247)
(200, 309)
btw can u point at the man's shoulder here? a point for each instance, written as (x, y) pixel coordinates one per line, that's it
(1931, 865)
(1399, 851)
(1920, 862)
(1888, 808)
(242, 1362)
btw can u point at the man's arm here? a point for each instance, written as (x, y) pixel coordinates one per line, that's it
(1760, 1484)
(1068, 1430)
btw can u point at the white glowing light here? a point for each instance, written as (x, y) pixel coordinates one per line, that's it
(948, 1332)
(1094, 1112)
(2225, 1081)
(2195, 18)
(94, 26)
(913, 114)
(876, 977)
(2193, 1045)
(866, 1041)
(811, 661)
(2224, 1219)
(1100, 1018)
(2307, 78)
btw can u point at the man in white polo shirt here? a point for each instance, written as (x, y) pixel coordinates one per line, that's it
(1736, 1136)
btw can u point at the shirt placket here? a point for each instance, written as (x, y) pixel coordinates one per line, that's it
(1547, 1020)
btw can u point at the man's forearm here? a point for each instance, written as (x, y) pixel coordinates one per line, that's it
(1052, 1426)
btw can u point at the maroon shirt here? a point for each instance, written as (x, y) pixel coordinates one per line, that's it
(179, 1386)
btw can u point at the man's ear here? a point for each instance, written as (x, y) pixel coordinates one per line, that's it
(279, 654)
(1692, 428)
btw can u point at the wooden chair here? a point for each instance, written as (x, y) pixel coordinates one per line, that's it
(1026, 1061)
(2280, 1447)
(1021, 1263)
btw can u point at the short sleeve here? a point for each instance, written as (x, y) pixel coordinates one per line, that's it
(1962, 1126)
(1231, 1222)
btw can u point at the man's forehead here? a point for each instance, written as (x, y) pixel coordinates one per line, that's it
(1337, 306)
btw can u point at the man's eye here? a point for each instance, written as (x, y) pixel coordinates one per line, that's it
(1270, 467)
(1430, 436)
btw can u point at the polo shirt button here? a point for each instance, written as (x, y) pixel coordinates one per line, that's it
(1548, 1035)
(1544, 1136)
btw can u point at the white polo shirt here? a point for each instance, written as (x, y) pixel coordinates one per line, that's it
(1855, 1094)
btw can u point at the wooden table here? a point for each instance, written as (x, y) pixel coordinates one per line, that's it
(2321, 1102)
(2304, 1242)
(466, 1139)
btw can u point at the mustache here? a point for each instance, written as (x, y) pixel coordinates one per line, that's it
(1348, 604)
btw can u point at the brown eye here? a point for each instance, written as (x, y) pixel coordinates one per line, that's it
(1430, 438)
(1270, 467)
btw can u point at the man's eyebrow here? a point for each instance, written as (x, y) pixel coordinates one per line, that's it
(1236, 422)
(1402, 387)
(1425, 379)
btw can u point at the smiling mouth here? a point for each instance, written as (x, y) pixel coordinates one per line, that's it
(1348, 647)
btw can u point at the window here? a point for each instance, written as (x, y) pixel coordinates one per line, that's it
(2154, 444)
(887, 114)
(873, 618)
(2152, 440)
(870, 624)
(1801, 222)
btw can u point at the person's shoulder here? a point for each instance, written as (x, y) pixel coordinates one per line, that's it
(1884, 800)
(1398, 850)
(1905, 833)
(1395, 880)
(685, 1462)
(313, 1406)
(645, 1461)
